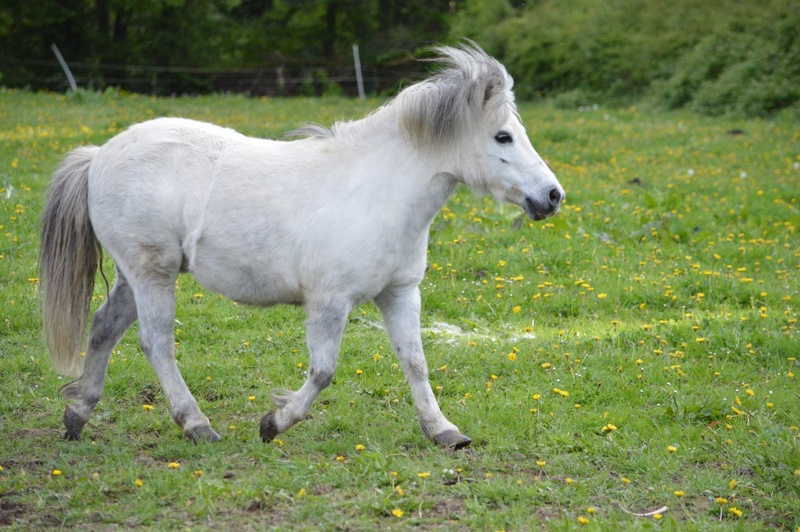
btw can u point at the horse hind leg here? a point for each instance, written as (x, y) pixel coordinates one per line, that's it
(109, 324)
(155, 302)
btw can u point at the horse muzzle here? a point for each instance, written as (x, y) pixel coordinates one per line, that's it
(537, 209)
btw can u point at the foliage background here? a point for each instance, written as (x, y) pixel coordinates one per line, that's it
(714, 57)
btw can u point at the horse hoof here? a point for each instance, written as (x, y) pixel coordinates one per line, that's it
(202, 434)
(268, 428)
(74, 423)
(452, 440)
(71, 436)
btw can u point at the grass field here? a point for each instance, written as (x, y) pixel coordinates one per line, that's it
(636, 353)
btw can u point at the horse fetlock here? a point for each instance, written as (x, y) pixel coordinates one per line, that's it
(78, 392)
(280, 398)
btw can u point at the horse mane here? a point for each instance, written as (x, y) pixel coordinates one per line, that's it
(472, 86)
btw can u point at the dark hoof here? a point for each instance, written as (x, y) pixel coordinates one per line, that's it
(71, 436)
(202, 434)
(268, 429)
(452, 440)
(73, 423)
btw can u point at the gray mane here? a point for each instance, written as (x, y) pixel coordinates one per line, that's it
(473, 87)
(310, 130)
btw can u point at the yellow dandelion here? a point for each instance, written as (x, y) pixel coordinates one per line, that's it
(583, 520)
(721, 500)
(625, 480)
(424, 474)
(360, 447)
(657, 517)
(301, 493)
(679, 493)
(397, 512)
(671, 448)
(512, 357)
(735, 511)
(174, 465)
(56, 472)
(138, 483)
(147, 407)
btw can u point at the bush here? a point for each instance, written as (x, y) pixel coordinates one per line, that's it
(715, 57)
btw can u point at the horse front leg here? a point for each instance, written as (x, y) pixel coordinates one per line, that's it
(401, 312)
(324, 329)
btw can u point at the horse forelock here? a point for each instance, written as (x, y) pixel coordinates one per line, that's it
(473, 88)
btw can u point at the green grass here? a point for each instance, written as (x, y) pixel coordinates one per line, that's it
(634, 352)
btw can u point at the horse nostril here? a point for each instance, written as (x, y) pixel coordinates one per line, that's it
(555, 197)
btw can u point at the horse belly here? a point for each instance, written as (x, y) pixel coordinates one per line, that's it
(231, 274)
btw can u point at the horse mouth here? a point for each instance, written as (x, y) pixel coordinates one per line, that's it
(537, 211)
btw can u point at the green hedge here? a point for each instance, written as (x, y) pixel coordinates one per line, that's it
(715, 57)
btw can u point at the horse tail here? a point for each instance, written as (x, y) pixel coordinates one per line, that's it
(69, 255)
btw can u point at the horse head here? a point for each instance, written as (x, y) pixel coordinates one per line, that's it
(468, 108)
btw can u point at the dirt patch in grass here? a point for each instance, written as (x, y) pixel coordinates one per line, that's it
(10, 511)
(452, 509)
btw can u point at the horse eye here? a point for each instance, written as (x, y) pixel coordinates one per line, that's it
(503, 137)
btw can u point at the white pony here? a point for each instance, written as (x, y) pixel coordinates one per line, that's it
(328, 222)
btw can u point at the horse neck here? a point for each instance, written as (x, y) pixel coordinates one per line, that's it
(426, 176)
(418, 180)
